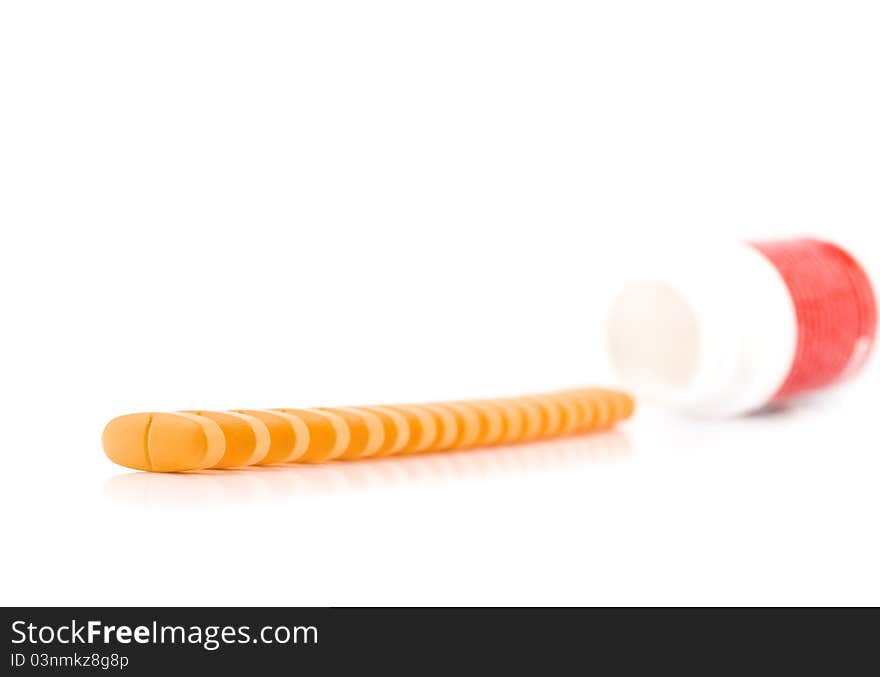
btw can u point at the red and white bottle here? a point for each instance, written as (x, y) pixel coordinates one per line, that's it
(731, 329)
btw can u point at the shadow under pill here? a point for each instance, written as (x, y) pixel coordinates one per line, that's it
(210, 488)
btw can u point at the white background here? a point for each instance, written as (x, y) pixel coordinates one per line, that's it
(257, 204)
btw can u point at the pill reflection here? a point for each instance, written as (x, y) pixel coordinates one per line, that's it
(262, 483)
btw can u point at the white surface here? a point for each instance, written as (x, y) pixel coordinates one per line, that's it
(711, 332)
(230, 205)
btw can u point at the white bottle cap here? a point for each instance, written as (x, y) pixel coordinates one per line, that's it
(712, 332)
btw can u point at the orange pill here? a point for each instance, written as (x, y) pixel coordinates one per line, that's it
(514, 418)
(365, 430)
(423, 430)
(492, 425)
(552, 414)
(624, 403)
(535, 418)
(288, 435)
(587, 411)
(584, 411)
(603, 410)
(468, 424)
(247, 437)
(164, 442)
(447, 426)
(605, 419)
(570, 415)
(614, 406)
(329, 435)
(395, 427)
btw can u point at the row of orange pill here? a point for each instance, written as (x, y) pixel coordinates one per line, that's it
(172, 442)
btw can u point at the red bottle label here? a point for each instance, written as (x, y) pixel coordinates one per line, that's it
(835, 307)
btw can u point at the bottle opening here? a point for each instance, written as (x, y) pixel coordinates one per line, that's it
(654, 339)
